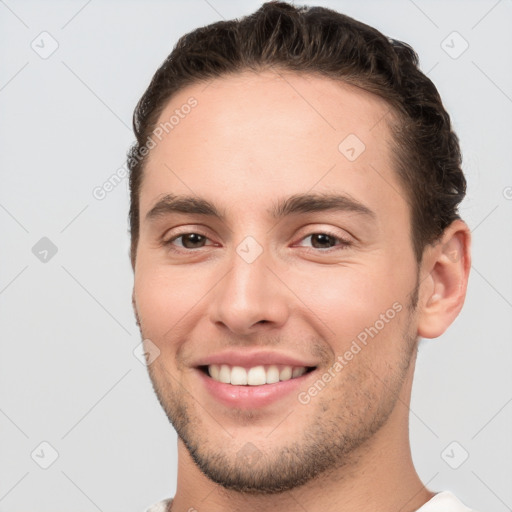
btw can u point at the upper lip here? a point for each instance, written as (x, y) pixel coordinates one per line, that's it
(249, 359)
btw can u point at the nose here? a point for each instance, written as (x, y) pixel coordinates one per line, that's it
(250, 296)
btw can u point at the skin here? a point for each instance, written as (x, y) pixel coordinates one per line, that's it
(253, 139)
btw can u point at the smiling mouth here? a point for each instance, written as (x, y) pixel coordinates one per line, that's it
(254, 376)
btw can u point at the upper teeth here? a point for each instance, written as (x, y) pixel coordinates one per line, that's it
(255, 376)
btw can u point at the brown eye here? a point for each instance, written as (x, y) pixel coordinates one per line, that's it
(189, 240)
(323, 240)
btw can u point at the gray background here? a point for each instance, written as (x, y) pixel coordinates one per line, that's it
(68, 374)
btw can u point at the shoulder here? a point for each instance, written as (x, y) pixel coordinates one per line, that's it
(445, 502)
(161, 506)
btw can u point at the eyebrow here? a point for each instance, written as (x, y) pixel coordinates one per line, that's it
(292, 205)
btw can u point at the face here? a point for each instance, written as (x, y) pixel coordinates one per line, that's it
(275, 243)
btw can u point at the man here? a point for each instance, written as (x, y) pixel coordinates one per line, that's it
(294, 194)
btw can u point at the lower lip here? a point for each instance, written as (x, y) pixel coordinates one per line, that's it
(251, 397)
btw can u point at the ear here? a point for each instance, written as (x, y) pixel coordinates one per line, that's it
(445, 271)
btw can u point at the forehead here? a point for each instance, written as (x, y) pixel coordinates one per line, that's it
(256, 136)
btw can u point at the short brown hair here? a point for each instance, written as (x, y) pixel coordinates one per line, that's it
(317, 40)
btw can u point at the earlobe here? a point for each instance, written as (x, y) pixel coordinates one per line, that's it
(446, 267)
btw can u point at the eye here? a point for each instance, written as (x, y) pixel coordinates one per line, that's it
(322, 241)
(326, 240)
(188, 241)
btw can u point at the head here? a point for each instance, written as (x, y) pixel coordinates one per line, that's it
(260, 122)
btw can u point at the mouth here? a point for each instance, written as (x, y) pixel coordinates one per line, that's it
(254, 387)
(254, 376)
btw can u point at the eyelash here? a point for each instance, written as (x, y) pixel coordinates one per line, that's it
(344, 243)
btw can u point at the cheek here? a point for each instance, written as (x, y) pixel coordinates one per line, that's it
(165, 299)
(350, 299)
